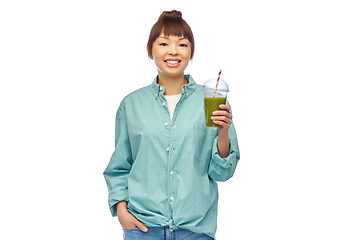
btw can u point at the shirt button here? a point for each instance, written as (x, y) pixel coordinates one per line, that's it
(171, 198)
(167, 149)
(166, 124)
(163, 104)
(173, 148)
(171, 172)
(160, 88)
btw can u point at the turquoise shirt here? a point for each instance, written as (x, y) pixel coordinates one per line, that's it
(167, 169)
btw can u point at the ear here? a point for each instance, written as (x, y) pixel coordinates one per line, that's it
(150, 55)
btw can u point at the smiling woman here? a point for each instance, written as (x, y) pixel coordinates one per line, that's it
(171, 55)
(152, 171)
(171, 23)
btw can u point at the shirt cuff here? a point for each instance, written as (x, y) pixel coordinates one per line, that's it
(221, 169)
(227, 161)
(114, 198)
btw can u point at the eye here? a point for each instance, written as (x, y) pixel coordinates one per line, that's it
(183, 45)
(163, 44)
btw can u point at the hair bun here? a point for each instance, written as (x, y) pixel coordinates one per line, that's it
(171, 13)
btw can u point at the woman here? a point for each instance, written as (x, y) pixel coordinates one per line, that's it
(161, 176)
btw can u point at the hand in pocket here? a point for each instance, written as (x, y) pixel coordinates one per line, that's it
(127, 220)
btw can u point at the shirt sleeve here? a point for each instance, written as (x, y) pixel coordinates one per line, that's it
(117, 171)
(222, 169)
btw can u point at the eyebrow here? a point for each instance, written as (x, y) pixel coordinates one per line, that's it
(182, 38)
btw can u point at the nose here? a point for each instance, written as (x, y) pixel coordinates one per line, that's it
(173, 50)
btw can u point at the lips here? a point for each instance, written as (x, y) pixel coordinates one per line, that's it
(172, 62)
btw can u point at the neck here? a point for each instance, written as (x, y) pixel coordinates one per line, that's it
(172, 85)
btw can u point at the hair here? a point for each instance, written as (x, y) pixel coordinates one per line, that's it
(171, 23)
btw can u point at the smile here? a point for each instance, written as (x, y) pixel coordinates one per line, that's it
(172, 63)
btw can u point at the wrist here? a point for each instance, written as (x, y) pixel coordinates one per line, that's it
(121, 207)
(223, 144)
(223, 135)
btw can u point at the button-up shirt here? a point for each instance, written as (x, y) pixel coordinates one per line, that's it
(167, 169)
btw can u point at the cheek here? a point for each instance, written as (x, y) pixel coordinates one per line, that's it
(185, 54)
(157, 56)
(188, 57)
(156, 50)
(189, 54)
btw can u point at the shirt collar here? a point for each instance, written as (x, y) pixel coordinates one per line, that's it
(188, 89)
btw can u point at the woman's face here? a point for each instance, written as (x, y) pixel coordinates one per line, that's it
(171, 55)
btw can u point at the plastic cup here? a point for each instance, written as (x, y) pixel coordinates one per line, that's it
(211, 101)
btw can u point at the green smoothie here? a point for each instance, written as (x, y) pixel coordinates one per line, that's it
(212, 104)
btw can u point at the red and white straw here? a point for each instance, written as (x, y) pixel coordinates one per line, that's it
(217, 83)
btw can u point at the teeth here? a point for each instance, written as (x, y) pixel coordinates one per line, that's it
(172, 62)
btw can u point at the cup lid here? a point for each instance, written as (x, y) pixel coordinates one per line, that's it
(210, 85)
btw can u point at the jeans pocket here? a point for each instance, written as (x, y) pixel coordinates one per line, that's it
(132, 234)
(130, 229)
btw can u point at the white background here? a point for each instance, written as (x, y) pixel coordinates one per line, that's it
(293, 71)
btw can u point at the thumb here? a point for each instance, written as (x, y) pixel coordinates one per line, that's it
(141, 226)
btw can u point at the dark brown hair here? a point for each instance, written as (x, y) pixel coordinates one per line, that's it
(171, 23)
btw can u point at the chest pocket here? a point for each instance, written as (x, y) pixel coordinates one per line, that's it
(201, 141)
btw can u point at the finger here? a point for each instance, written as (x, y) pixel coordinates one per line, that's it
(226, 111)
(221, 119)
(141, 226)
(222, 113)
(223, 124)
(225, 107)
(227, 119)
(129, 228)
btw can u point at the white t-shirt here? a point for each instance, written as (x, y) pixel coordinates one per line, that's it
(172, 100)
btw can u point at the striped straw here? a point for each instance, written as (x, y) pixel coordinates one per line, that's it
(217, 83)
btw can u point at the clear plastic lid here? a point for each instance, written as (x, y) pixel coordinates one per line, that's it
(209, 86)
